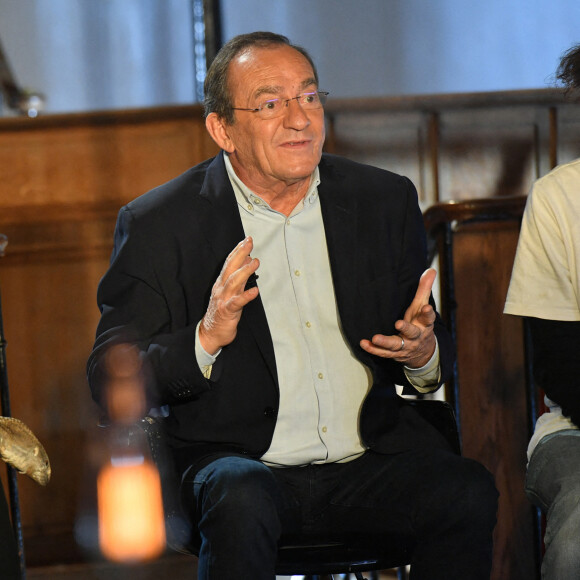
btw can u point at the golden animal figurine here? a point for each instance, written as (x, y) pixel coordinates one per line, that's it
(20, 448)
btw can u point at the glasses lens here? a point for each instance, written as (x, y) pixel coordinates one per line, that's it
(275, 107)
(270, 108)
(309, 100)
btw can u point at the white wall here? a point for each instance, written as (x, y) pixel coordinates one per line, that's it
(100, 54)
(393, 47)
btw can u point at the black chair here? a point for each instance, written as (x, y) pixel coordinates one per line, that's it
(307, 556)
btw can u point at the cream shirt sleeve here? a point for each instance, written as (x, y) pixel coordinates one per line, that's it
(205, 361)
(426, 378)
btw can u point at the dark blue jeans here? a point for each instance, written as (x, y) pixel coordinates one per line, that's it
(446, 503)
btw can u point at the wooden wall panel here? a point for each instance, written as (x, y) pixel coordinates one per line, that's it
(62, 181)
(97, 157)
(476, 243)
(492, 386)
(50, 316)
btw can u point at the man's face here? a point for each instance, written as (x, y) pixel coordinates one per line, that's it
(270, 153)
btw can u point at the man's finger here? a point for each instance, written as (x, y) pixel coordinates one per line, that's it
(425, 286)
(422, 295)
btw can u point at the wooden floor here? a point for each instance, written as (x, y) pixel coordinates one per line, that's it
(41, 553)
(175, 567)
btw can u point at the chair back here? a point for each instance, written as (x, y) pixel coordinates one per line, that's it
(475, 243)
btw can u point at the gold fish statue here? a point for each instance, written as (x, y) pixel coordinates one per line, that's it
(20, 448)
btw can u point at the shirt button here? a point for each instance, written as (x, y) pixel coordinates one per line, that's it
(308, 325)
(249, 206)
(296, 272)
(324, 429)
(287, 222)
(320, 376)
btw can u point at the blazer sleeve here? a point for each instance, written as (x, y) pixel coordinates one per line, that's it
(136, 309)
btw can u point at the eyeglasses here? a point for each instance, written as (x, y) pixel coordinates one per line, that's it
(275, 107)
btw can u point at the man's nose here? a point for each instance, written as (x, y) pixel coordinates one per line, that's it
(294, 115)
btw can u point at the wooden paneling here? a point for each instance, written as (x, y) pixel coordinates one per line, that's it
(98, 157)
(62, 182)
(492, 395)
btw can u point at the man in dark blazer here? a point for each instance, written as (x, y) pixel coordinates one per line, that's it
(276, 296)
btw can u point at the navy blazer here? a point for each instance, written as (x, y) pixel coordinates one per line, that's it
(170, 245)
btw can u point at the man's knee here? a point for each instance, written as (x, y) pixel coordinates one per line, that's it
(235, 485)
(470, 493)
(477, 493)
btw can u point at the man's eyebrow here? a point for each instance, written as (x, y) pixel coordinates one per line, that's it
(268, 90)
(277, 89)
(308, 83)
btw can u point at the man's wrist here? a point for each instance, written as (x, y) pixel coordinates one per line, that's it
(203, 357)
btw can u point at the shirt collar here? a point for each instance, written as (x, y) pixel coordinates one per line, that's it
(249, 201)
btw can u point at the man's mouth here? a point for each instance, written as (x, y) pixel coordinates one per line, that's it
(295, 143)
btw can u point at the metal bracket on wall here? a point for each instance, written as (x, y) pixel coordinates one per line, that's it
(14, 97)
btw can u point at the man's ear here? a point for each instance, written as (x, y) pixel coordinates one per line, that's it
(218, 130)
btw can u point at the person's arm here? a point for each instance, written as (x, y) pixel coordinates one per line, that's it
(136, 298)
(136, 310)
(556, 362)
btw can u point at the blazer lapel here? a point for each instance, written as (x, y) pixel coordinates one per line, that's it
(339, 216)
(219, 216)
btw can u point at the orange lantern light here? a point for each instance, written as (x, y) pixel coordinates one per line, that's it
(130, 508)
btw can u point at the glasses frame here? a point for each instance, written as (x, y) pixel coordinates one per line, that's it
(321, 95)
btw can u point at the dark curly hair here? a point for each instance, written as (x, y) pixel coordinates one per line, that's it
(217, 96)
(568, 71)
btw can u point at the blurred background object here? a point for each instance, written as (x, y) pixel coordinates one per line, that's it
(130, 506)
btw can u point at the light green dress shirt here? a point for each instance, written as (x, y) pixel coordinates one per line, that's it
(322, 384)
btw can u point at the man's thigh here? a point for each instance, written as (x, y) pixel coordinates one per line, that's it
(240, 485)
(377, 493)
(554, 469)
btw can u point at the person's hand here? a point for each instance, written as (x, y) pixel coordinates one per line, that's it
(415, 343)
(219, 325)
